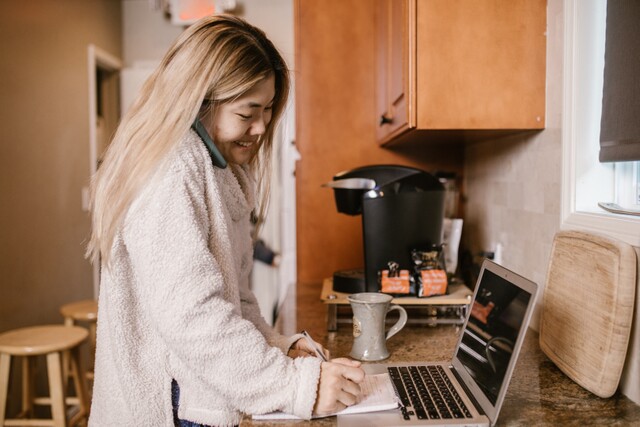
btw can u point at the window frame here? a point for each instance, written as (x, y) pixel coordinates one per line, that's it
(622, 227)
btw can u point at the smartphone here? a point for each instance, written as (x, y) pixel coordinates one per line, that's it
(216, 155)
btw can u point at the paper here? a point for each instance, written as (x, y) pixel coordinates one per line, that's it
(377, 395)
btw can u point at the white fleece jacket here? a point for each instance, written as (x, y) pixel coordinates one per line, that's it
(176, 304)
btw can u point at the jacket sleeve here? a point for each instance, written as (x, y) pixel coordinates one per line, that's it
(186, 298)
(251, 312)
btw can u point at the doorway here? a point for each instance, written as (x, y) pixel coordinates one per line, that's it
(104, 114)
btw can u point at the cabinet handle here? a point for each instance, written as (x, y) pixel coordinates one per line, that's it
(384, 120)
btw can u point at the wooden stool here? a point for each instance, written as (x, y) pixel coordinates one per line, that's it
(83, 311)
(51, 341)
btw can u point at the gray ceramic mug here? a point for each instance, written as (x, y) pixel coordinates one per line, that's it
(369, 313)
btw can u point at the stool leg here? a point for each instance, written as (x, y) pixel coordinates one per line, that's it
(54, 370)
(68, 321)
(92, 349)
(5, 364)
(79, 382)
(27, 386)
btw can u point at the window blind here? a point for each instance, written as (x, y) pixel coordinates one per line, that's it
(620, 122)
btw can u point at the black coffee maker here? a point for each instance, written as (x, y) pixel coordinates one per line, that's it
(402, 209)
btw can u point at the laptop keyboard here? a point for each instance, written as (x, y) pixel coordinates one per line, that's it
(427, 393)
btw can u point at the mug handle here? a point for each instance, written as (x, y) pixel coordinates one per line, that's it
(401, 321)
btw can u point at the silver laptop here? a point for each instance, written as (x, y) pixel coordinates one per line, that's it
(468, 390)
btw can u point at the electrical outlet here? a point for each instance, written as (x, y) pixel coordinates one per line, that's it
(497, 254)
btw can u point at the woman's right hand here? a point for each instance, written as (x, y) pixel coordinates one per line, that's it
(339, 385)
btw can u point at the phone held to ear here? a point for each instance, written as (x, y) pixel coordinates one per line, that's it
(216, 156)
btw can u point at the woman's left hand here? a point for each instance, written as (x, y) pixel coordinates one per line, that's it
(302, 348)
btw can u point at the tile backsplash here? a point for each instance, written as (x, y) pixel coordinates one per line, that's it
(512, 199)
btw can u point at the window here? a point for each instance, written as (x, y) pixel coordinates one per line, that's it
(627, 181)
(586, 181)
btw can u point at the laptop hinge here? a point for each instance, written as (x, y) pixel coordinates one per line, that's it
(466, 390)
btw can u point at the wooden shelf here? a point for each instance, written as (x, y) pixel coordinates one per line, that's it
(459, 295)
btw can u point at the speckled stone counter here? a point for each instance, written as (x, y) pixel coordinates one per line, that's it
(539, 393)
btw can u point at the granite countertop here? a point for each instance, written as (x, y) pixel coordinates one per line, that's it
(539, 393)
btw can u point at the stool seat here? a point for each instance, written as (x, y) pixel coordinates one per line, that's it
(85, 310)
(37, 340)
(53, 342)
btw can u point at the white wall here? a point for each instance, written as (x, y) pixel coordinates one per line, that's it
(148, 33)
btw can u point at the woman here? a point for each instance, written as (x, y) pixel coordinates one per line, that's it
(180, 339)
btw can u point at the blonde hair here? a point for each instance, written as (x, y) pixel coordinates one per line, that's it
(218, 58)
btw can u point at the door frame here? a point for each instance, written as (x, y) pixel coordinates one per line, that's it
(98, 60)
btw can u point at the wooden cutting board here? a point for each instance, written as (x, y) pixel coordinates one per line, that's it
(588, 308)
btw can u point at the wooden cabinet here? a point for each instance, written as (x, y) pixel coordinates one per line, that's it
(459, 67)
(392, 67)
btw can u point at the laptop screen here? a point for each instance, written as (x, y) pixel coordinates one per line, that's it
(489, 338)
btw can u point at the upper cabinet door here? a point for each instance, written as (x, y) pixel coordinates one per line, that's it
(394, 67)
(459, 65)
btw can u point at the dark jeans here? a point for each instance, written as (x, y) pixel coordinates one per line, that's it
(175, 398)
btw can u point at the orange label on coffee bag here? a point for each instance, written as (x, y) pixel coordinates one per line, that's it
(434, 282)
(395, 285)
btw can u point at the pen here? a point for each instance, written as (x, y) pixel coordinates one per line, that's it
(313, 346)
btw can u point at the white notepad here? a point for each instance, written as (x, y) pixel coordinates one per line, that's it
(377, 395)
